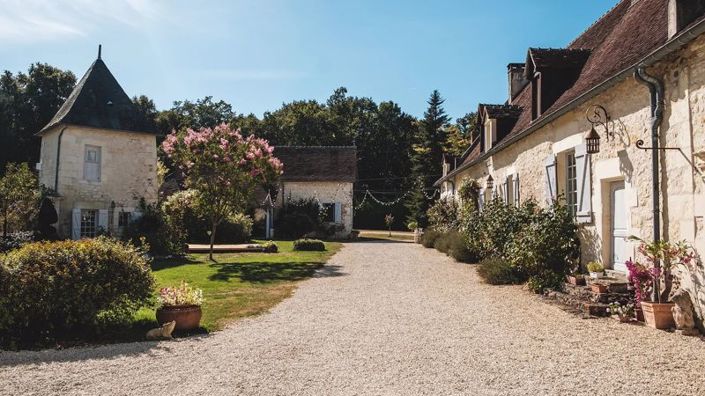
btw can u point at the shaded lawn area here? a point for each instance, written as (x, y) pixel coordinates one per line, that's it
(237, 284)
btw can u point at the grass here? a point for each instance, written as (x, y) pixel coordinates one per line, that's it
(237, 284)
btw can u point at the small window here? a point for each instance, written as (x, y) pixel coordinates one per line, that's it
(91, 164)
(124, 219)
(89, 223)
(571, 184)
(328, 212)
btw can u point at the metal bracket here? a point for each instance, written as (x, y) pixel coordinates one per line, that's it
(640, 145)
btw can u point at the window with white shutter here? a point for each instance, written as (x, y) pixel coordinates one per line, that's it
(551, 186)
(91, 164)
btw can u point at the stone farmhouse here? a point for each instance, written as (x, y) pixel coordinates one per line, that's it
(99, 156)
(324, 173)
(640, 65)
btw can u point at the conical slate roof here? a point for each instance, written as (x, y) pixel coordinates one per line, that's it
(99, 101)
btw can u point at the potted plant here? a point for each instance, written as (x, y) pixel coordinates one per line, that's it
(656, 307)
(598, 288)
(413, 225)
(596, 269)
(576, 279)
(181, 304)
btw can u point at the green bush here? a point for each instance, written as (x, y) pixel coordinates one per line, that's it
(442, 243)
(547, 248)
(162, 234)
(270, 247)
(309, 245)
(497, 224)
(70, 289)
(497, 271)
(428, 239)
(459, 249)
(298, 218)
(444, 215)
(15, 240)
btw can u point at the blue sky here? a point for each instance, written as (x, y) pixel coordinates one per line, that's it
(258, 54)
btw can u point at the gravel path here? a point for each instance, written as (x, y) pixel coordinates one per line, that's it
(384, 318)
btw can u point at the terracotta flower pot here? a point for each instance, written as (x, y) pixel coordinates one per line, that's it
(639, 313)
(187, 317)
(598, 288)
(576, 280)
(658, 315)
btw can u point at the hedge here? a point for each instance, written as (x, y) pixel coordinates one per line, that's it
(309, 245)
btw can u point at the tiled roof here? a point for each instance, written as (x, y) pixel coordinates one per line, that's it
(555, 58)
(624, 36)
(501, 111)
(99, 101)
(318, 163)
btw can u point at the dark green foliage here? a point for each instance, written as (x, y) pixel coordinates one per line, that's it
(547, 248)
(442, 243)
(309, 245)
(298, 218)
(497, 271)
(428, 239)
(459, 249)
(498, 222)
(444, 215)
(15, 240)
(46, 217)
(27, 103)
(270, 247)
(234, 229)
(69, 290)
(162, 237)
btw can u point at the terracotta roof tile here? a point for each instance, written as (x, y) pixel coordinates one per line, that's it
(318, 163)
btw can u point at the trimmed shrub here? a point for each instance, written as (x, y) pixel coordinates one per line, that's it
(161, 236)
(294, 225)
(70, 289)
(444, 215)
(442, 243)
(270, 247)
(459, 249)
(497, 271)
(428, 239)
(15, 240)
(309, 245)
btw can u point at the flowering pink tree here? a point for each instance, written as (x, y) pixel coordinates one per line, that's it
(224, 167)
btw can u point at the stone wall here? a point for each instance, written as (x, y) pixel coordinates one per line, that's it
(628, 104)
(326, 192)
(128, 170)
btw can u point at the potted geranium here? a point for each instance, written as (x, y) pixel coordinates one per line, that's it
(656, 307)
(596, 269)
(181, 304)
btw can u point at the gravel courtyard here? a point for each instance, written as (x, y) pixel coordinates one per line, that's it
(390, 319)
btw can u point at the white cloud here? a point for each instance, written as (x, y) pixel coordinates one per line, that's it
(26, 21)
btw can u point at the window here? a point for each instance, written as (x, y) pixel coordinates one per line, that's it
(91, 164)
(124, 219)
(89, 223)
(328, 212)
(571, 183)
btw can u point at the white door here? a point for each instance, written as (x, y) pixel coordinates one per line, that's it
(620, 226)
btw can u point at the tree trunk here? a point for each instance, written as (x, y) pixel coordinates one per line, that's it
(213, 228)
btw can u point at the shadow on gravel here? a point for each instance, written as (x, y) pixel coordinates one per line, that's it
(263, 272)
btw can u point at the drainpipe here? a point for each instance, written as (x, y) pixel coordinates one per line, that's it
(656, 90)
(58, 156)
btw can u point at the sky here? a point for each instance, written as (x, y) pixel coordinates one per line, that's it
(259, 54)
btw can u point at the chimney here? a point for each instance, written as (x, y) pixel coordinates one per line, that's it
(681, 13)
(517, 81)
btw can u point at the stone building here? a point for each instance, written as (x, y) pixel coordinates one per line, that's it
(323, 173)
(534, 144)
(99, 156)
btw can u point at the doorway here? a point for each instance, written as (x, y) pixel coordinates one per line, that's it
(619, 227)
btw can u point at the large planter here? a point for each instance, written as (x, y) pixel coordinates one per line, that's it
(658, 315)
(187, 317)
(576, 280)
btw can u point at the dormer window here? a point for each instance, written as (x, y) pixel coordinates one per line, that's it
(490, 133)
(536, 96)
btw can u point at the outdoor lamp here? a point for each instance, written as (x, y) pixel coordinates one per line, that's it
(490, 182)
(592, 141)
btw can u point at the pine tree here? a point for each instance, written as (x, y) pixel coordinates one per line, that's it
(427, 157)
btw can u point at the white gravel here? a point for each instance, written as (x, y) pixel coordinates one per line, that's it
(390, 319)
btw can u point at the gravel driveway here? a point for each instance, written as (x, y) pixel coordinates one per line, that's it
(391, 319)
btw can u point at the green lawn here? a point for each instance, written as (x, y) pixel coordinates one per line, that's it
(237, 284)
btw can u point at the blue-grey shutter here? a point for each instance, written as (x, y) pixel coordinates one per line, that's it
(338, 213)
(551, 186)
(103, 220)
(481, 199)
(76, 223)
(584, 184)
(515, 191)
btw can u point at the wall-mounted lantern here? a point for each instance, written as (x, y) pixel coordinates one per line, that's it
(596, 116)
(490, 182)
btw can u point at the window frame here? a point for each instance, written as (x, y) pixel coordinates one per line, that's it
(571, 182)
(97, 162)
(86, 229)
(328, 208)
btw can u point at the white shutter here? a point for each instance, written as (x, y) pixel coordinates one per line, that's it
(102, 221)
(505, 190)
(584, 184)
(516, 189)
(551, 187)
(76, 223)
(481, 199)
(338, 213)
